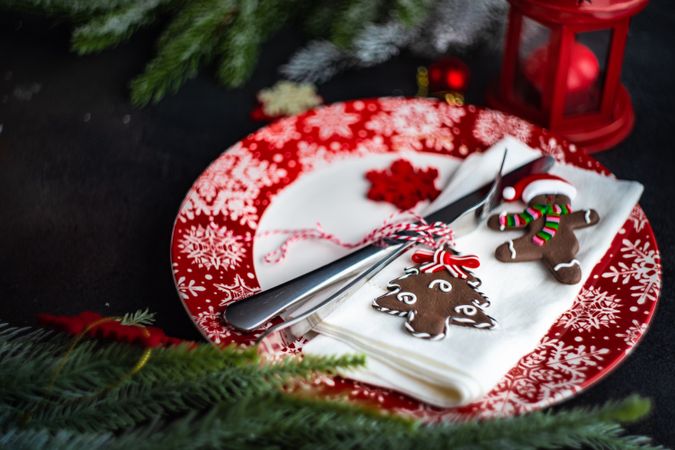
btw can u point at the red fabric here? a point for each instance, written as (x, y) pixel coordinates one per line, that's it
(108, 329)
(402, 184)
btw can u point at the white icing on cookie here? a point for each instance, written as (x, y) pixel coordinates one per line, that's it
(512, 249)
(502, 227)
(465, 309)
(407, 297)
(463, 320)
(587, 216)
(421, 334)
(443, 285)
(481, 303)
(568, 264)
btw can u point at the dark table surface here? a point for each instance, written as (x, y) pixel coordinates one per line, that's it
(90, 186)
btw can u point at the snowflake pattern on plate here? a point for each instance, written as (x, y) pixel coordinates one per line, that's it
(416, 124)
(552, 147)
(332, 121)
(592, 310)
(313, 156)
(230, 187)
(235, 291)
(212, 248)
(641, 264)
(279, 133)
(632, 334)
(555, 370)
(187, 288)
(210, 323)
(491, 126)
(639, 218)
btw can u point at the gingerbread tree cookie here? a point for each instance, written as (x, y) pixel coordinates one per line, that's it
(437, 293)
(549, 223)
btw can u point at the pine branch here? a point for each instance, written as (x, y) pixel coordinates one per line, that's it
(318, 19)
(255, 22)
(319, 61)
(114, 27)
(180, 57)
(73, 8)
(278, 421)
(352, 19)
(412, 12)
(239, 49)
(80, 388)
(140, 317)
(354, 33)
(227, 397)
(377, 43)
(160, 394)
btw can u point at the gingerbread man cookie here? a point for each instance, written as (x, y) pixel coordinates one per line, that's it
(549, 223)
(437, 293)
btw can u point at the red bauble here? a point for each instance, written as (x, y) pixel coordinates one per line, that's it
(448, 75)
(583, 72)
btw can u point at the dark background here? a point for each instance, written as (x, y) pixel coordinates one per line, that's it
(90, 186)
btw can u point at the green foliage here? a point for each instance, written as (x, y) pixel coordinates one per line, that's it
(412, 12)
(319, 19)
(196, 30)
(140, 317)
(241, 45)
(53, 396)
(351, 19)
(74, 8)
(201, 31)
(114, 27)
(79, 388)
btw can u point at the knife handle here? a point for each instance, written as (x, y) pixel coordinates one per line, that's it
(253, 312)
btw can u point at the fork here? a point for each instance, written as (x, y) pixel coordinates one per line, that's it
(468, 221)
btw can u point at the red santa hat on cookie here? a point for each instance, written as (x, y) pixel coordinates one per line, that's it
(541, 183)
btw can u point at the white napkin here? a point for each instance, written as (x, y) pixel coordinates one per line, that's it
(526, 299)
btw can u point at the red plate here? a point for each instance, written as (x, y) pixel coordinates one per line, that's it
(212, 249)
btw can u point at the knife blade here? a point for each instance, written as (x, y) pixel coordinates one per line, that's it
(252, 312)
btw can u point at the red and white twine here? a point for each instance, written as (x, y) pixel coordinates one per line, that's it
(430, 235)
(441, 259)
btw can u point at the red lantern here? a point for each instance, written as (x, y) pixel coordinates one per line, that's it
(562, 67)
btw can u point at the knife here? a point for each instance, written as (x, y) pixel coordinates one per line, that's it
(253, 312)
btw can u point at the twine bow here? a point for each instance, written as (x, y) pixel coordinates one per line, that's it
(442, 259)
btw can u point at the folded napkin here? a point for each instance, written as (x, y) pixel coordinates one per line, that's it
(525, 299)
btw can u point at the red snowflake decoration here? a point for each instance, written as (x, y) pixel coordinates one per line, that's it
(402, 184)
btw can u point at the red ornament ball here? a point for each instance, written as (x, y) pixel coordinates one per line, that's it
(449, 74)
(584, 69)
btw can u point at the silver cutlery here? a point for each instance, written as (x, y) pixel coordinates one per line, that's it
(467, 222)
(251, 313)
